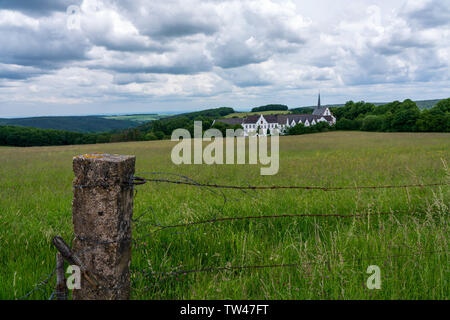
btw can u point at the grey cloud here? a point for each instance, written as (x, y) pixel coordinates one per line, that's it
(175, 69)
(411, 65)
(114, 31)
(45, 43)
(172, 18)
(388, 49)
(273, 29)
(38, 7)
(397, 42)
(236, 53)
(372, 68)
(434, 13)
(430, 68)
(245, 83)
(125, 78)
(322, 77)
(394, 47)
(257, 35)
(408, 66)
(175, 63)
(289, 36)
(321, 60)
(182, 28)
(245, 77)
(43, 48)
(15, 72)
(110, 42)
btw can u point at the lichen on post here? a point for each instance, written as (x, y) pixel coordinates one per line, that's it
(102, 211)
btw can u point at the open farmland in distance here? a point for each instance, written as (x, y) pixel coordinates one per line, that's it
(139, 118)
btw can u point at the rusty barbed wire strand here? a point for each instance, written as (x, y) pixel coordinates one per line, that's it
(288, 265)
(141, 181)
(183, 178)
(39, 285)
(225, 219)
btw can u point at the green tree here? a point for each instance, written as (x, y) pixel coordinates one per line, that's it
(150, 136)
(304, 110)
(434, 120)
(372, 123)
(405, 117)
(443, 105)
(347, 124)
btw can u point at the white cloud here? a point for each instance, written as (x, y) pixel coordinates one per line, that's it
(10, 18)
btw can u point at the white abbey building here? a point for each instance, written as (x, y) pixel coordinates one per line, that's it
(266, 124)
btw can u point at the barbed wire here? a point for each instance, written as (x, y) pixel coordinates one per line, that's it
(146, 274)
(186, 179)
(141, 181)
(226, 219)
(40, 285)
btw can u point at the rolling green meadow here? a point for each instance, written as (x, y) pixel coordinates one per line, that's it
(331, 254)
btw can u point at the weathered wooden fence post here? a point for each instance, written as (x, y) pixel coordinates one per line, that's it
(61, 287)
(102, 211)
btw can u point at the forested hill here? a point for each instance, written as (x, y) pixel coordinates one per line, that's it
(163, 128)
(14, 135)
(83, 124)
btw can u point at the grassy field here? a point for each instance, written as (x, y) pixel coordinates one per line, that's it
(245, 114)
(410, 246)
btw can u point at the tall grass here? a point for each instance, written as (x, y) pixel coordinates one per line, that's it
(410, 246)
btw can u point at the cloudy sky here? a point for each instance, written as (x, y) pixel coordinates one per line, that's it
(66, 57)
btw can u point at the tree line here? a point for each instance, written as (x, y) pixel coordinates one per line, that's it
(393, 117)
(271, 107)
(84, 124)
(30, 137)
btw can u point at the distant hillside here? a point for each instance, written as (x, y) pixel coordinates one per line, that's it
(167, 124)
(422, 104)
(140, 118)
(427, 104)
(83, 124)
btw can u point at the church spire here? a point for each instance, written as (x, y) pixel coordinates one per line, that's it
(318, 104)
